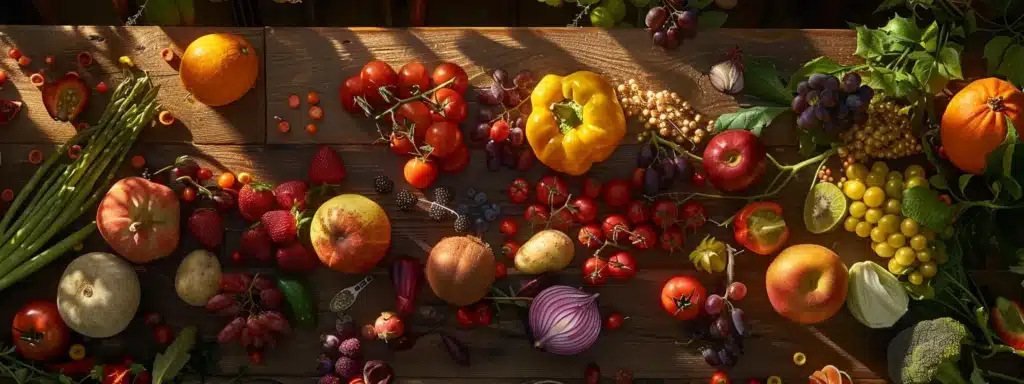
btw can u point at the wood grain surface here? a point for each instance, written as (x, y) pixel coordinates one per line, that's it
(300, 60)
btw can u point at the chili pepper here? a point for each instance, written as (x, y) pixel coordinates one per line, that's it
(116, 374)
(299, 300)
(760, 227)
(73, 368)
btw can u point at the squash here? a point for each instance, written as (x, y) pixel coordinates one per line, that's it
(975, 121)
(460, 269)
(139, 219)
(219, 68)
(98, 294)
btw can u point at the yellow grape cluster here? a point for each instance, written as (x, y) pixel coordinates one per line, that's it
(875, 212)
(887, 134)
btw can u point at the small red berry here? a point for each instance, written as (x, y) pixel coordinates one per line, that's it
(501, 271)
(152, 318)
(163, 334)
(188, 194)
(237, 258)
(102, 88)
(14, 53)
(204, 174)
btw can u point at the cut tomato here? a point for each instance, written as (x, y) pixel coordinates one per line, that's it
(66, 98)
(8, 110)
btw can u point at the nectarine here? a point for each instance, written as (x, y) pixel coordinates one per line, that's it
(807, 283)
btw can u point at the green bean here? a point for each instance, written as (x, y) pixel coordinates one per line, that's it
(46, 257)
(50, 187)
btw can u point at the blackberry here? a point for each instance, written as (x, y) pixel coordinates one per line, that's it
(437, 211)
(462, 224)
(383, 185)
(443, 195)
(405, 200)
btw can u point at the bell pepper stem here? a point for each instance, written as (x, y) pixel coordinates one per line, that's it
(568, 113)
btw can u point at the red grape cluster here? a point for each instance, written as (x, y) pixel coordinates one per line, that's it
(661, 168)
(254, 303)
(822, 101)
(669, 26)
(725, 326)
(504, 108)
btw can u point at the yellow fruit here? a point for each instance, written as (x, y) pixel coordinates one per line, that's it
(854, 189)
(895, 267)
(913, 171)
(890, 223)
(873, 215)
(874, 197)
(875, 179)
(916, 181)
(928, 269)
(924, 255)
(915, 278)
(851, 223)
(858, 208)
(896, 240)
(918, 242)
(906, 256)
(909, 227)
(880, 167)
(856, 171)
(878, 234)
(863, 229)
(892, 206)
(884, 250)
(894, 189)
(894, 175)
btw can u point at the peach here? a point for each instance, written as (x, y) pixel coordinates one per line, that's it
(807, 283)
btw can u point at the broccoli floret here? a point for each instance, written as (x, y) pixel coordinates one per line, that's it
(929, 351)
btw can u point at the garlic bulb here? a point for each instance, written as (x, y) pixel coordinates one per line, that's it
(726, 77)
(876, 297)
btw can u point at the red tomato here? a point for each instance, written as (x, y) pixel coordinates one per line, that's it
(38, 331)
(519, 191)
(537, 216)
(484, 313)
(412, 79)
(414, 115)
(637, 212)
(552, 190)
(591, 236)
(622, 265)
(401, 144)
(615, 228)
(672, 239)
(637, 179)
(445, 137)
(617, 193)
(375, 75)
(682, 297)
(592, 188)
(510, 248)
(562, 220)
(163, 334)
(501, 271)
(595, 271)
(465, 317)
(693, 215)
(613, 321)
(719, 378)
(586, 209)
(644, 237)
(447, 71)
(456, 161)
(500, 130)
(453, 106)
(664, 213)
(352, 87)
(509, 227)
(420, 173)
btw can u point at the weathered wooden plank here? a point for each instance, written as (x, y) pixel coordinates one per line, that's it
(241, 122)
(319, 59)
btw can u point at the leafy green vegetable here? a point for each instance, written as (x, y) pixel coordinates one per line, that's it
(168, 364)
(712, 19)
(1012, 65)
(903, 29)
(761, 80)
(994, 51)
(1002, 160)
(923, 205)
(871, 43)
(949, 63)
(753, 118)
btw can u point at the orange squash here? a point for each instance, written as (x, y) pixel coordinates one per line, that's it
(219, 68)
(975, 121)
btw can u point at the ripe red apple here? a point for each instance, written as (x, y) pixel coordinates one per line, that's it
(807, 283)
(734, 160)
(350, 233)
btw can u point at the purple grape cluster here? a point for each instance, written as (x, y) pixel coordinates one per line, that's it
(721, 332)
(502, 104)
(823, 101)
(661, 172)
(668, 29)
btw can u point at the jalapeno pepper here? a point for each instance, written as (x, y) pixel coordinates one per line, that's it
(760, 227)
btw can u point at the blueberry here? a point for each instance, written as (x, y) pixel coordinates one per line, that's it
(480, 198)
(490, 215)
(495, 207)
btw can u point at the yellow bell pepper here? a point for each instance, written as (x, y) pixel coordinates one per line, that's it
(576, 121)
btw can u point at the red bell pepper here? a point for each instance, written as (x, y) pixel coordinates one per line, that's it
(1008, 321)
(760, 227)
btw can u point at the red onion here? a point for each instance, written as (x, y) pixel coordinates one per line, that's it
(407, 278)
(564, 320)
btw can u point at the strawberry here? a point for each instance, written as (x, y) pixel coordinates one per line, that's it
(281, 225)
(255, 243)
(291, 193)
(255, 199)
(326, 167)
(296, 258)
(207, 226)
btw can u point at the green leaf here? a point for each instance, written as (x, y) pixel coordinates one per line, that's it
(136, 369)
(698, 4)
(970, 21)
(963, 181)
(753, 119)
(881, 80)
(871, 43)
(920, 55)
(903, 29)
(1012, 65)
(64, 379)
(938, 181)
(821, 64)
(1000, 162)
(996, 187)
(923, 205)
(949, 63)
(919, 292)
(168, 364)
(994, 51)
(930, 37)
(890, 4)
(761, 80)
(1014, 188)
(977, 377)
(925, 70)
(712, 19)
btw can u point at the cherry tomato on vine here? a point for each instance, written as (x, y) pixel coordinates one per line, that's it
(447, 71)
(586, 209)
(617, 193)
(552, 190)
(537, 216)
(412, 79)
(615, 228)
(510, 248)
(644, 237)
(347, 92)
(453, 106)
(682, 297)
(38, 331)
(592, 188)
(519, 191)
(562, 220)
(501, 270)
(591, 236)
(614, 321)
(693, 215)
(637, 212)
(416, 115)
(622, 265)
(445, 137)
(401, 145)
(664, 213)
(672, 239)
(595, 271)
(465, 317)
(377, 74)
(456, 161)
(420, 173)
(509, 227)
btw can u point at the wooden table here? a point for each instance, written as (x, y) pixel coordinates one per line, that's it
(242, 137)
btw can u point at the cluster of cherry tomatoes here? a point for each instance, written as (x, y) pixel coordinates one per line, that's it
(424, 110)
